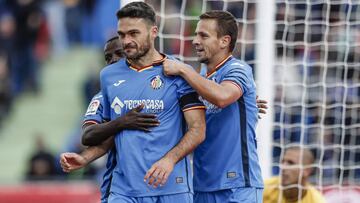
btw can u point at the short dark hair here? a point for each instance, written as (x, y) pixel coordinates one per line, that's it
(226, 23)
(112, 39)
(138, 9)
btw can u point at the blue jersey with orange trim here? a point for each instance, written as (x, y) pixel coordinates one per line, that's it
(124, 88)
(94, 115)
(228, 158)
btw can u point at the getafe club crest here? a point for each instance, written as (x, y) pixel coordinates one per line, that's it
(157, 83)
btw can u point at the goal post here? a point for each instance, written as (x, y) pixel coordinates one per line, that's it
(264, 74)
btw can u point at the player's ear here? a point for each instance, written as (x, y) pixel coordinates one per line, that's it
(154, 30)
(225, 41)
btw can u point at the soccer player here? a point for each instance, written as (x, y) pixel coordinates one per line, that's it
(226, 166)
(157, 157)
(293, 185)
(113, 51)
(72, 161)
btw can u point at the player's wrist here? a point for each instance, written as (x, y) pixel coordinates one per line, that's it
(183, 71)
(171, 157)
(86, 157)
(116, 125)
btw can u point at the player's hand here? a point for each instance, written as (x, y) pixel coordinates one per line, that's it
(134, 120)
(172, 67)
(72, 161)
(262, 106)
(159, 172)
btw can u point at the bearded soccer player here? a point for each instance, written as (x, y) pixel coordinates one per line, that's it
(148, 159)
(69, 161)
(226, 166)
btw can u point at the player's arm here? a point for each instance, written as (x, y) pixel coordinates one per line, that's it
(93, 135)
(160, 171)
(72, 161)
(221, 95)
(195, 135)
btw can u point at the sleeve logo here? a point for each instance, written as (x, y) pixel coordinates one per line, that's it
(93, 107)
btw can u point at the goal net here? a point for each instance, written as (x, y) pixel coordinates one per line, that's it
(315, 76)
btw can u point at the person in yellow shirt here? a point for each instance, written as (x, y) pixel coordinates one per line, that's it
(293, 185)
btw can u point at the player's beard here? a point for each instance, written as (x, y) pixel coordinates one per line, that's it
(203, 60)
(142, 50)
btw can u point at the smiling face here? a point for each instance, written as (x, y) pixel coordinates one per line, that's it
(206, 41)
(136, 37)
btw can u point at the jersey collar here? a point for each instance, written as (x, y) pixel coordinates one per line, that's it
(140, 69)
(219, 65)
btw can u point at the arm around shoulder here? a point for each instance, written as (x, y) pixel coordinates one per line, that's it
(221, 95)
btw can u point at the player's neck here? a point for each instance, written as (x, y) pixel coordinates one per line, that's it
(216, 60)
(292, 194)
(147, 60)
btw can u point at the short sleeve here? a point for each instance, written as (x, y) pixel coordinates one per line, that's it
(94, 112)
(241, 75)
(188, 98)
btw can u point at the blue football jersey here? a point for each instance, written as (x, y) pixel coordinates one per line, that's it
(94, 115)
(228, 158)
(124, 88)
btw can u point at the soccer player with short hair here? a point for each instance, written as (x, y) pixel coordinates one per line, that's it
(157, 157)
(293, 184)
(69, 161)
(226, 166)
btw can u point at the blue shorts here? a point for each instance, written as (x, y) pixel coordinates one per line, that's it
(175, 198)
(234, 195)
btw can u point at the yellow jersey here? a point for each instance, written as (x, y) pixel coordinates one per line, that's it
(272, 191)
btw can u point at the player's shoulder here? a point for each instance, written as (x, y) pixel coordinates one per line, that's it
(99, 96)
(235, 63)
(273, 181)
(176, 59)
(110, 69)
(271, 188)
(177, 77)
(170, 57)
(316, 194)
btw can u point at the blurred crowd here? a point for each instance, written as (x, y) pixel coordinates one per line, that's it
(317, 84)
(33, 30)
(22, 32)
